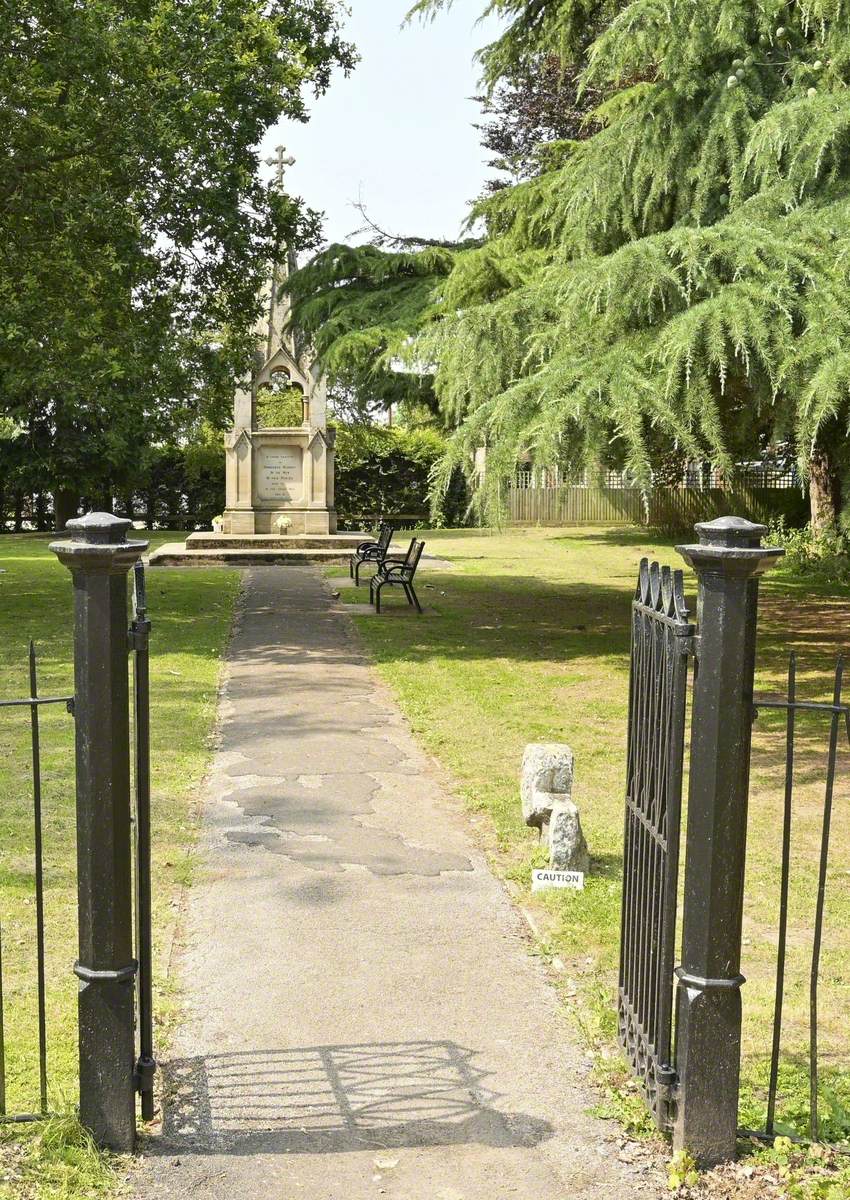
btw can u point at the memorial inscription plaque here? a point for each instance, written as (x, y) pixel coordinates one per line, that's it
(279, 476)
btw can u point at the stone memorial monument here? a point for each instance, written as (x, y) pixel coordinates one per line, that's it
(280, 473)
(279, 485)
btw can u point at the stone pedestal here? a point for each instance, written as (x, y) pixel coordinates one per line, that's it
(274, 473)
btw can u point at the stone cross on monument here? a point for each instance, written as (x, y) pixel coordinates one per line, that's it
(280, 480)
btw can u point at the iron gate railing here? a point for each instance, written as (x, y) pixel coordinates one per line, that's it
(838, 714)
(139, 635)
(34, 703)
(661, 641)
(691, 1082)
(140, 629)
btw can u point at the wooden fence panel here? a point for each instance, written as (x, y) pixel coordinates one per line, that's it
(673, 509)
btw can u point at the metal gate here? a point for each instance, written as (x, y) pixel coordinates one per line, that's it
(692, 1088)
(139, 634)
(661, 642)
(140, 629)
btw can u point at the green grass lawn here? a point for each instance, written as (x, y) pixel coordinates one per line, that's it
(527, 639)
(191, 613)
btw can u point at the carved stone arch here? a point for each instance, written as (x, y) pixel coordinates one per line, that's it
(283, 361)
(279, 397)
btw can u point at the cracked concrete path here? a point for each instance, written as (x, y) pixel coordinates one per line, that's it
(362, 1015)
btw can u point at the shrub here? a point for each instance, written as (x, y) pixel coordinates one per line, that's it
(385, 473)
(822, 559)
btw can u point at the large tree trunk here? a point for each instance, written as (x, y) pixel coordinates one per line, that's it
(65, 507)
(823, 492)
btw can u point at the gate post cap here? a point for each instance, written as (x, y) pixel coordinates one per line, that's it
(731, 544)
(730, 531)
(99, 529)
(98, 541)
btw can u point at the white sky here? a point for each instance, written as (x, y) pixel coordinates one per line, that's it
(397, 133)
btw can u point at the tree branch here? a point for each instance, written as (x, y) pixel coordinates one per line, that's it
(380, 237)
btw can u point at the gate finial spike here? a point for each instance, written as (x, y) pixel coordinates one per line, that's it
(140, 600)
(667, 591)
(642, 593)
(681, 610)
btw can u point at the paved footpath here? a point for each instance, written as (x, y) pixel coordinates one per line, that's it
(363, 1017)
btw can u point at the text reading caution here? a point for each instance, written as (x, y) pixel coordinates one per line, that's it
(542, 880)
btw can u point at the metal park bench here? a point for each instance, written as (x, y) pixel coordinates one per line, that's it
(370, 552)
(398, 572)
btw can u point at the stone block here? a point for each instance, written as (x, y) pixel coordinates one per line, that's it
(547, 777)
(567, 846)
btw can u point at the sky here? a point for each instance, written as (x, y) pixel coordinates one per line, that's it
(397, 133)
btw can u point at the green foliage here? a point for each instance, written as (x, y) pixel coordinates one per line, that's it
(821, 559)
(135, 226)
(794, 1101)
(181, 486)
(280, 405)
(532, 27)
(54, 1160)
(359, 306)
(538, 104)
(386, 472)
(172, 485)
(808, 1172)
(674, 283)
(691, 256)
(682, 1171)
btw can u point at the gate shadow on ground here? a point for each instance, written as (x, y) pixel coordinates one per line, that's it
(333, 1099)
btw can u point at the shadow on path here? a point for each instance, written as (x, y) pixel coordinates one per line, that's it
(333, 1099)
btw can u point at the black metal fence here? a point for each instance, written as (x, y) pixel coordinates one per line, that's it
(34, 703)
(837, 715)
(92, 822)
(684, 1046)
